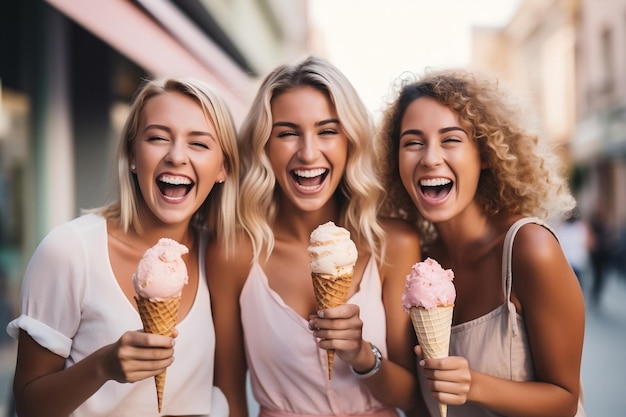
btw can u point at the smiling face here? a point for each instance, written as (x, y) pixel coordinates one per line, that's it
(176, 157)
(307, 147)
(439, 163)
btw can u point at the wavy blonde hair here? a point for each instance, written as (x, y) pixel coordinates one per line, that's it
(523, 177)
(360, 191)
(219, 212)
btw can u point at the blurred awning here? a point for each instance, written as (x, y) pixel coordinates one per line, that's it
(162, 40)
(600, 135)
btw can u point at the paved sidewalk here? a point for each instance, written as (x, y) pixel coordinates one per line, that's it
(604, 353)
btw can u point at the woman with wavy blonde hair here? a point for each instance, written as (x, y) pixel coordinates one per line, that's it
(81, 350)
(308, 158)
(461, 164)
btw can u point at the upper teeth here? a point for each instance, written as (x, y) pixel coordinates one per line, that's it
(175, 180)
(434, 182)
(309, 173)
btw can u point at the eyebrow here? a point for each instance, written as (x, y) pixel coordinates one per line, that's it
(294, 125)
(418, 132)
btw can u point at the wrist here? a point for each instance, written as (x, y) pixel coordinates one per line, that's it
(374, 366)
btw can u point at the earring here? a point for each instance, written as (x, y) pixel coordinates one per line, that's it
(132, 167)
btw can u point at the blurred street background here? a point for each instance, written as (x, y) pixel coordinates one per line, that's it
(68, 69)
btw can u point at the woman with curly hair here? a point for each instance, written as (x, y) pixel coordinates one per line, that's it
(308, 158)
(460, 164)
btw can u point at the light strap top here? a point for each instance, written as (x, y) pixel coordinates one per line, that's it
(288, 371)
(507, 256)
(496, 343)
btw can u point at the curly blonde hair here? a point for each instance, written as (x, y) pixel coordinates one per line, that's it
(523, 177)
(360, 191)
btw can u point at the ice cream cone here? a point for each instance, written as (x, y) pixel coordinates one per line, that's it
(432, 327)
(158, 317)
(331, 291)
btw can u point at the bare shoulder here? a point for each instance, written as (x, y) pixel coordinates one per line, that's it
(223, 268)
(540, 268)
(402, 246)
(535, 244)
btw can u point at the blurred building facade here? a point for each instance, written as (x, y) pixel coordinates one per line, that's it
(599, 144)
(568, 56)
(68, 69)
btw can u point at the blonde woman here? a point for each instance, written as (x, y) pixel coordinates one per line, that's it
(80, 352)
(308, 158)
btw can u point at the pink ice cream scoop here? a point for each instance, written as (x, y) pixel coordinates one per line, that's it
(428, 286)
(161, 273)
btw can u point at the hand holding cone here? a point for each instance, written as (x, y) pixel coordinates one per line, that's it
(332, 257)
(158, 282)
(331, 292)
(429, 296)
(432, 327)
(158, 317)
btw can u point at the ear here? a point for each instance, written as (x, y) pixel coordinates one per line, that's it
(221, 176)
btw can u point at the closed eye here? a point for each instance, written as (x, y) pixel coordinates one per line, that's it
(411, 142)
(156, 138)
(286, 133)
(200, 145)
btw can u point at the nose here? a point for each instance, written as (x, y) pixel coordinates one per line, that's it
(432, 155)
(308, 149)
(177, 153)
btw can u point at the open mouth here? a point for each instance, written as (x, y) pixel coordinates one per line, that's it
(173, 186)
(309, 179)
(435, 188)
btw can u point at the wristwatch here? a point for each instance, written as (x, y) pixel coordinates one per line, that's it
(378, 359)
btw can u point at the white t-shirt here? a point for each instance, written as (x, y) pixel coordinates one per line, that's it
(72, 305)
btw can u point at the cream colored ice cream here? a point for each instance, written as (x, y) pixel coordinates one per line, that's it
(158, 281)
(332, 257)
(332, 253)
(429, 296)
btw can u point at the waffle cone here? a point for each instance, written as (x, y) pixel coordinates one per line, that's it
(331, 291)
(158, 317)
(432, 327)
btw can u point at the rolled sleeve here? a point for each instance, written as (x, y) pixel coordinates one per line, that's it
(43, 334)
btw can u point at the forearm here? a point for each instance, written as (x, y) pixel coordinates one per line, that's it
(522, 399)
(234, 388)
(60, 393)
(394, 386)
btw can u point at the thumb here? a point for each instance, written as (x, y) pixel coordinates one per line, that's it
(418, 351)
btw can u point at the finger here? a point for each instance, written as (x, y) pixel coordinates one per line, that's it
(418, 351)
(142, 339)
(449, 393)
(342, 311)
(138, 370)
(350, 335)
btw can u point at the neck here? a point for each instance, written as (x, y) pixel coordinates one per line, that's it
(294, 224)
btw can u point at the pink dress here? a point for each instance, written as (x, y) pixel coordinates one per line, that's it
(496, 343)
(288, 372)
